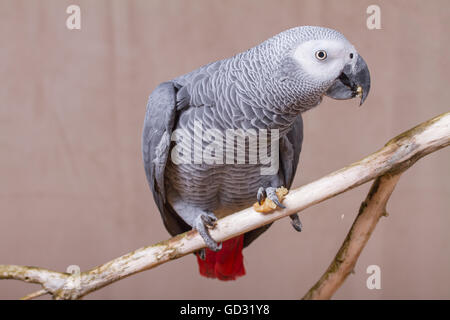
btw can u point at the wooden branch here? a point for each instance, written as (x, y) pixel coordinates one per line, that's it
(52, 281)
(34, 295)
(397, 155)
(371, 210)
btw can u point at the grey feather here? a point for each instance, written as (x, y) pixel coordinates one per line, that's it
(158, 126)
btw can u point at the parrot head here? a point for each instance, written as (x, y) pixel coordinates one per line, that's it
(330, 62)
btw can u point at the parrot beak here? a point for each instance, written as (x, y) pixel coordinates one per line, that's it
(351, 82)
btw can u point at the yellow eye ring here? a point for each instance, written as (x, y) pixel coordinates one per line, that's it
(321, 55)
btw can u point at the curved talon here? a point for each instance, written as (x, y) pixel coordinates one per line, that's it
(271, 194)
(209, 219)
(296, 222)
(277, 202)
(260, 195)
(275, 195)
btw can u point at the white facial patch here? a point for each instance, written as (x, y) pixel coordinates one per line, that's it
(337, 56)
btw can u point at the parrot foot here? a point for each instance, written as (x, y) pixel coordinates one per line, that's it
(203, 222)
(270, 193)
(209, 219)
(296, 222)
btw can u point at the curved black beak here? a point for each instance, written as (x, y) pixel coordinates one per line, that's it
(351, 83)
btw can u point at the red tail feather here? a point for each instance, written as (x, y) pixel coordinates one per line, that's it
(227, 264)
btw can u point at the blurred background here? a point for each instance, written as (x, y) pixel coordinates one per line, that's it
(72, 103)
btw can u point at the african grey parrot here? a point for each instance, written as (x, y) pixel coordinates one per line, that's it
(266, 87)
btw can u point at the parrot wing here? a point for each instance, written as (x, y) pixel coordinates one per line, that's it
(290, 149)
(158, 126)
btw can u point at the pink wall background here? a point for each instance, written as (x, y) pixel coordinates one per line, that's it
(72, 104)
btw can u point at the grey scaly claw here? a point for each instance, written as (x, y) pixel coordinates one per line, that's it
(209, 219)
(271, 194)
(296, 222)
(201, 224)
(261, 195)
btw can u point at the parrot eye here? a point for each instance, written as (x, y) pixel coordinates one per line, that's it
(351, 55)
(321, 55)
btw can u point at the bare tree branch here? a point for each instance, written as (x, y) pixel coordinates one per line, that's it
(35, 295)
(371, 210)
(397, 155)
